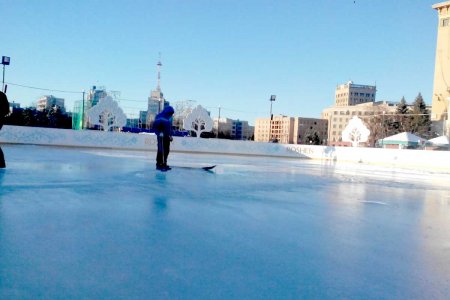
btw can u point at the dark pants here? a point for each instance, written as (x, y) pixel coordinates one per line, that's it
(163, 151)
(2, 158)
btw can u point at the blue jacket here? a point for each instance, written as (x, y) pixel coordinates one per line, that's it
(163, 122)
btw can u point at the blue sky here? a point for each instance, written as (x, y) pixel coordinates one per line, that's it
(232, 54)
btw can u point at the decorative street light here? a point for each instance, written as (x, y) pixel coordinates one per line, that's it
(272, 98)
(5, 62)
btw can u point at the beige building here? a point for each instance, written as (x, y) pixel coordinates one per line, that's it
(289, 130)
(339, 116)
(441, 89)
(348, 94)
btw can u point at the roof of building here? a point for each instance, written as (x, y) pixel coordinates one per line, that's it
(441, 4)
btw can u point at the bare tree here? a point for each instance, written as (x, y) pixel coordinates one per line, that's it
(182, 110)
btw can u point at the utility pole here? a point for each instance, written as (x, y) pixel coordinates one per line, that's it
(218, 124)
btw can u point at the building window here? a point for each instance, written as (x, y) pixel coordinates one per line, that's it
(445, 22)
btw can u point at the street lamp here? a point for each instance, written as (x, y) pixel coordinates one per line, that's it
(272, 98)
(5, 62)
(384, 131)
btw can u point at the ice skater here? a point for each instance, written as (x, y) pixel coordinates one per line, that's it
(4, 111)
(163, 131)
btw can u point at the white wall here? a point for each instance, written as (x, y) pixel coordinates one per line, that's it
(418, 159)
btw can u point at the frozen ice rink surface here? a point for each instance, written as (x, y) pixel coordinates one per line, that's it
(104, 224)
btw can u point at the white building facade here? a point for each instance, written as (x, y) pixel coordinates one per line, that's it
(49, 102)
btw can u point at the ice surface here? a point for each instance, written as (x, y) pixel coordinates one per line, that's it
(104, 224)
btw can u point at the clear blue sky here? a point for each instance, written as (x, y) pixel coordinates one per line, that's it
(227, 53)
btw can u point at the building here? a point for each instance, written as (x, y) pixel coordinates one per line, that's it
(235, 129)
(156, 101)
(13, 106)
(339, 116)
(241, 130)
(307, 130)
(142, 119)
(350, 100)
(132, 123)
(290, 130)
(279, 129)
(94, 96)
(349, 94)
(49, 102)
(440, 110)
(79, 118)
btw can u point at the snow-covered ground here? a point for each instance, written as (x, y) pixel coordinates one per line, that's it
(104, 224)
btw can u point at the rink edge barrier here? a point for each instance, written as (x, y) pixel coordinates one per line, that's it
(405, 158)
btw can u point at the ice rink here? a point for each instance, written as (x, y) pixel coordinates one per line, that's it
(104, 224)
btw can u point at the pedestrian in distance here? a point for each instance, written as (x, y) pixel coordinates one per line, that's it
(163, 130)
(4, 111)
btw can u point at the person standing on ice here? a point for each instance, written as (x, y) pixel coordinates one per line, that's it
(4, 111)
(163, 131)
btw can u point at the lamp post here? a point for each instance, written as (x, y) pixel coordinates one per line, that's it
(5, 62)
(272, 98)
(384, 131)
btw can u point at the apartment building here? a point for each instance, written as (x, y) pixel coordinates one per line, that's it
(236, 129)
(290, 130)
(280, 129)
(48, 102)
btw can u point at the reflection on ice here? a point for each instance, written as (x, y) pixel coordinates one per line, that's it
(80, 223)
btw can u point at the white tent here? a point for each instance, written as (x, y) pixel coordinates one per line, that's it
(404, 138)
(441, 140)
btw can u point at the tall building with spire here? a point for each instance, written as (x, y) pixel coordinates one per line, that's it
(156, 101)
(441, 88)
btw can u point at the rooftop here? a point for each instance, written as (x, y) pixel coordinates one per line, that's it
(441, 4)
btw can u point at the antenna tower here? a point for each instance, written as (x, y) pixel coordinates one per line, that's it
(159, 65)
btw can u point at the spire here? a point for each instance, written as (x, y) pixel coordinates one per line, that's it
(159, 65)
